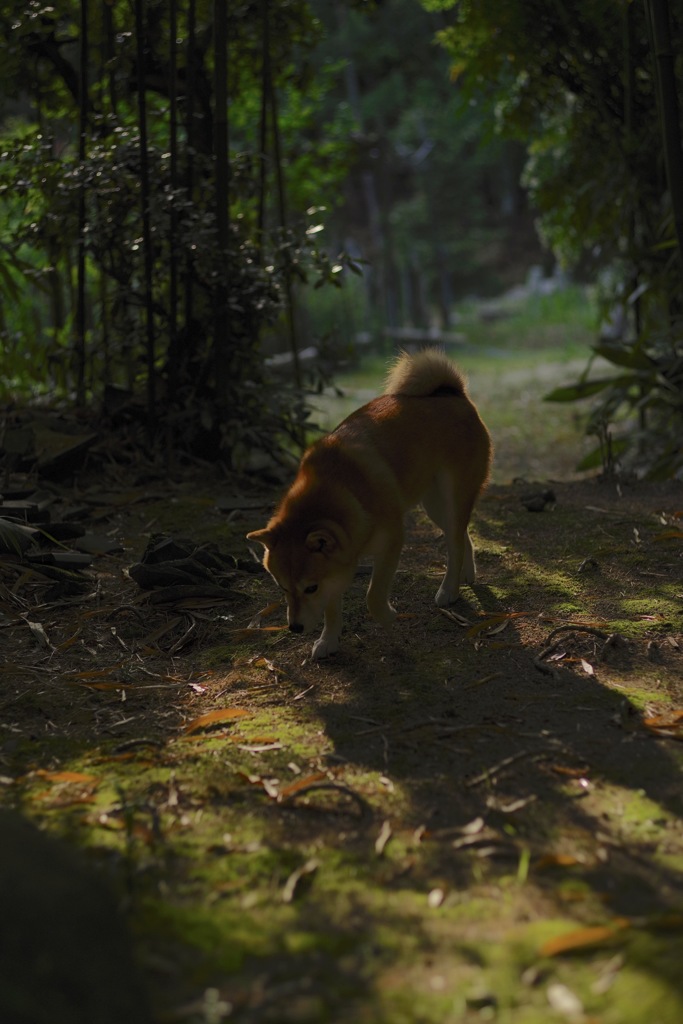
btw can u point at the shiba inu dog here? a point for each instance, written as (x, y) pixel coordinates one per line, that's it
(422, 441)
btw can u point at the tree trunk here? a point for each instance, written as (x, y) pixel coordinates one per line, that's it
(221, 339)
(80, 266)
(172, 366)
(146, 223)
(665, 76)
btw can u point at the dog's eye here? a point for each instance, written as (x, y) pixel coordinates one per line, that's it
(312, 589)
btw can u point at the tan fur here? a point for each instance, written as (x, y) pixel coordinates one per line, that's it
(422, 373)
(421, 441)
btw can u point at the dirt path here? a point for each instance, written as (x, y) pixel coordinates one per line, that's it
(476, 816)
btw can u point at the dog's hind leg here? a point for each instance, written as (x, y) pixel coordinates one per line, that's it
(451, 513)
(387, 552)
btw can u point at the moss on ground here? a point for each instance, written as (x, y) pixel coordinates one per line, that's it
(398, 833)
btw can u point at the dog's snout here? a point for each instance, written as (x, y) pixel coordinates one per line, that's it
(296, 627)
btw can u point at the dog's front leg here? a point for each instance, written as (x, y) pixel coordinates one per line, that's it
(387, 555)
(328, 641)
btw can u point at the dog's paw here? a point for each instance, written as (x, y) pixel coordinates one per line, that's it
(385, 615)
(446, 595)
(324, 646)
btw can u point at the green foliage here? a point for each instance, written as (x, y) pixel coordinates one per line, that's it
(54, 206)
(578, 85)
(432, 202)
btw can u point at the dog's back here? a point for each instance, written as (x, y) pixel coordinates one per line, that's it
(420, 441)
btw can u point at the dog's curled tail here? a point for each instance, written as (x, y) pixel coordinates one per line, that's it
(429, 372)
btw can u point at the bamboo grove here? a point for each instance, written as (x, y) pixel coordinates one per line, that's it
(147, 238)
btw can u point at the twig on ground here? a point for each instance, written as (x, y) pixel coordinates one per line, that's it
(336, 786)
(488, 773)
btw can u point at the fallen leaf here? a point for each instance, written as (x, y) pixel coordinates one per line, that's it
(264, 614)
(249, 631)
(290, 887)
(584, 938)
(454, 617)
(473, 827)
(269, 786)
(564, 1001)
(65, 776)
(294, 787)
(556, 860)
(383, 838)
(669, 724)
(436, 898)
(258, 748)
(512, 806)
(216, 717)
(66, 800)
(166, 627)
(490, 626)
(109, 686)
(587, 667)
(574, 773)
(66, 644)
(669, 535)
(266, 740)
(664, 721)
(40, 635)
(485, 679)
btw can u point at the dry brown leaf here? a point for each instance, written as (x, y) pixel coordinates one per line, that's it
(454, 617)
(556, 860)
(167, 627)
(486, 625)
(664, 721)
(58, 776)
(260, 661)
(585, 938)
(66, 644)
(93, 673)
(669, 724)
(669, 535)
(38, 631)
(65, 799)
(269, 786)
(249, 631)
(294, 787)
(264, 614)
(574, 773)
(110, 686)
(495, 623)
(220, 715)
(484, 679)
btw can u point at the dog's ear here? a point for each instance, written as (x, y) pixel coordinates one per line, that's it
(322, 541)
(266, 537)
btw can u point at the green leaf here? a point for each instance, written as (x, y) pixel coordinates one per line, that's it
(630, 357)
(595, 459)
(15, 538)
(582, 389)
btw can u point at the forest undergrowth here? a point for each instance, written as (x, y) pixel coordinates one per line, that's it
(475, 816)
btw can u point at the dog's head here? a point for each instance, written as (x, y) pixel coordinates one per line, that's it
(311, 568)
